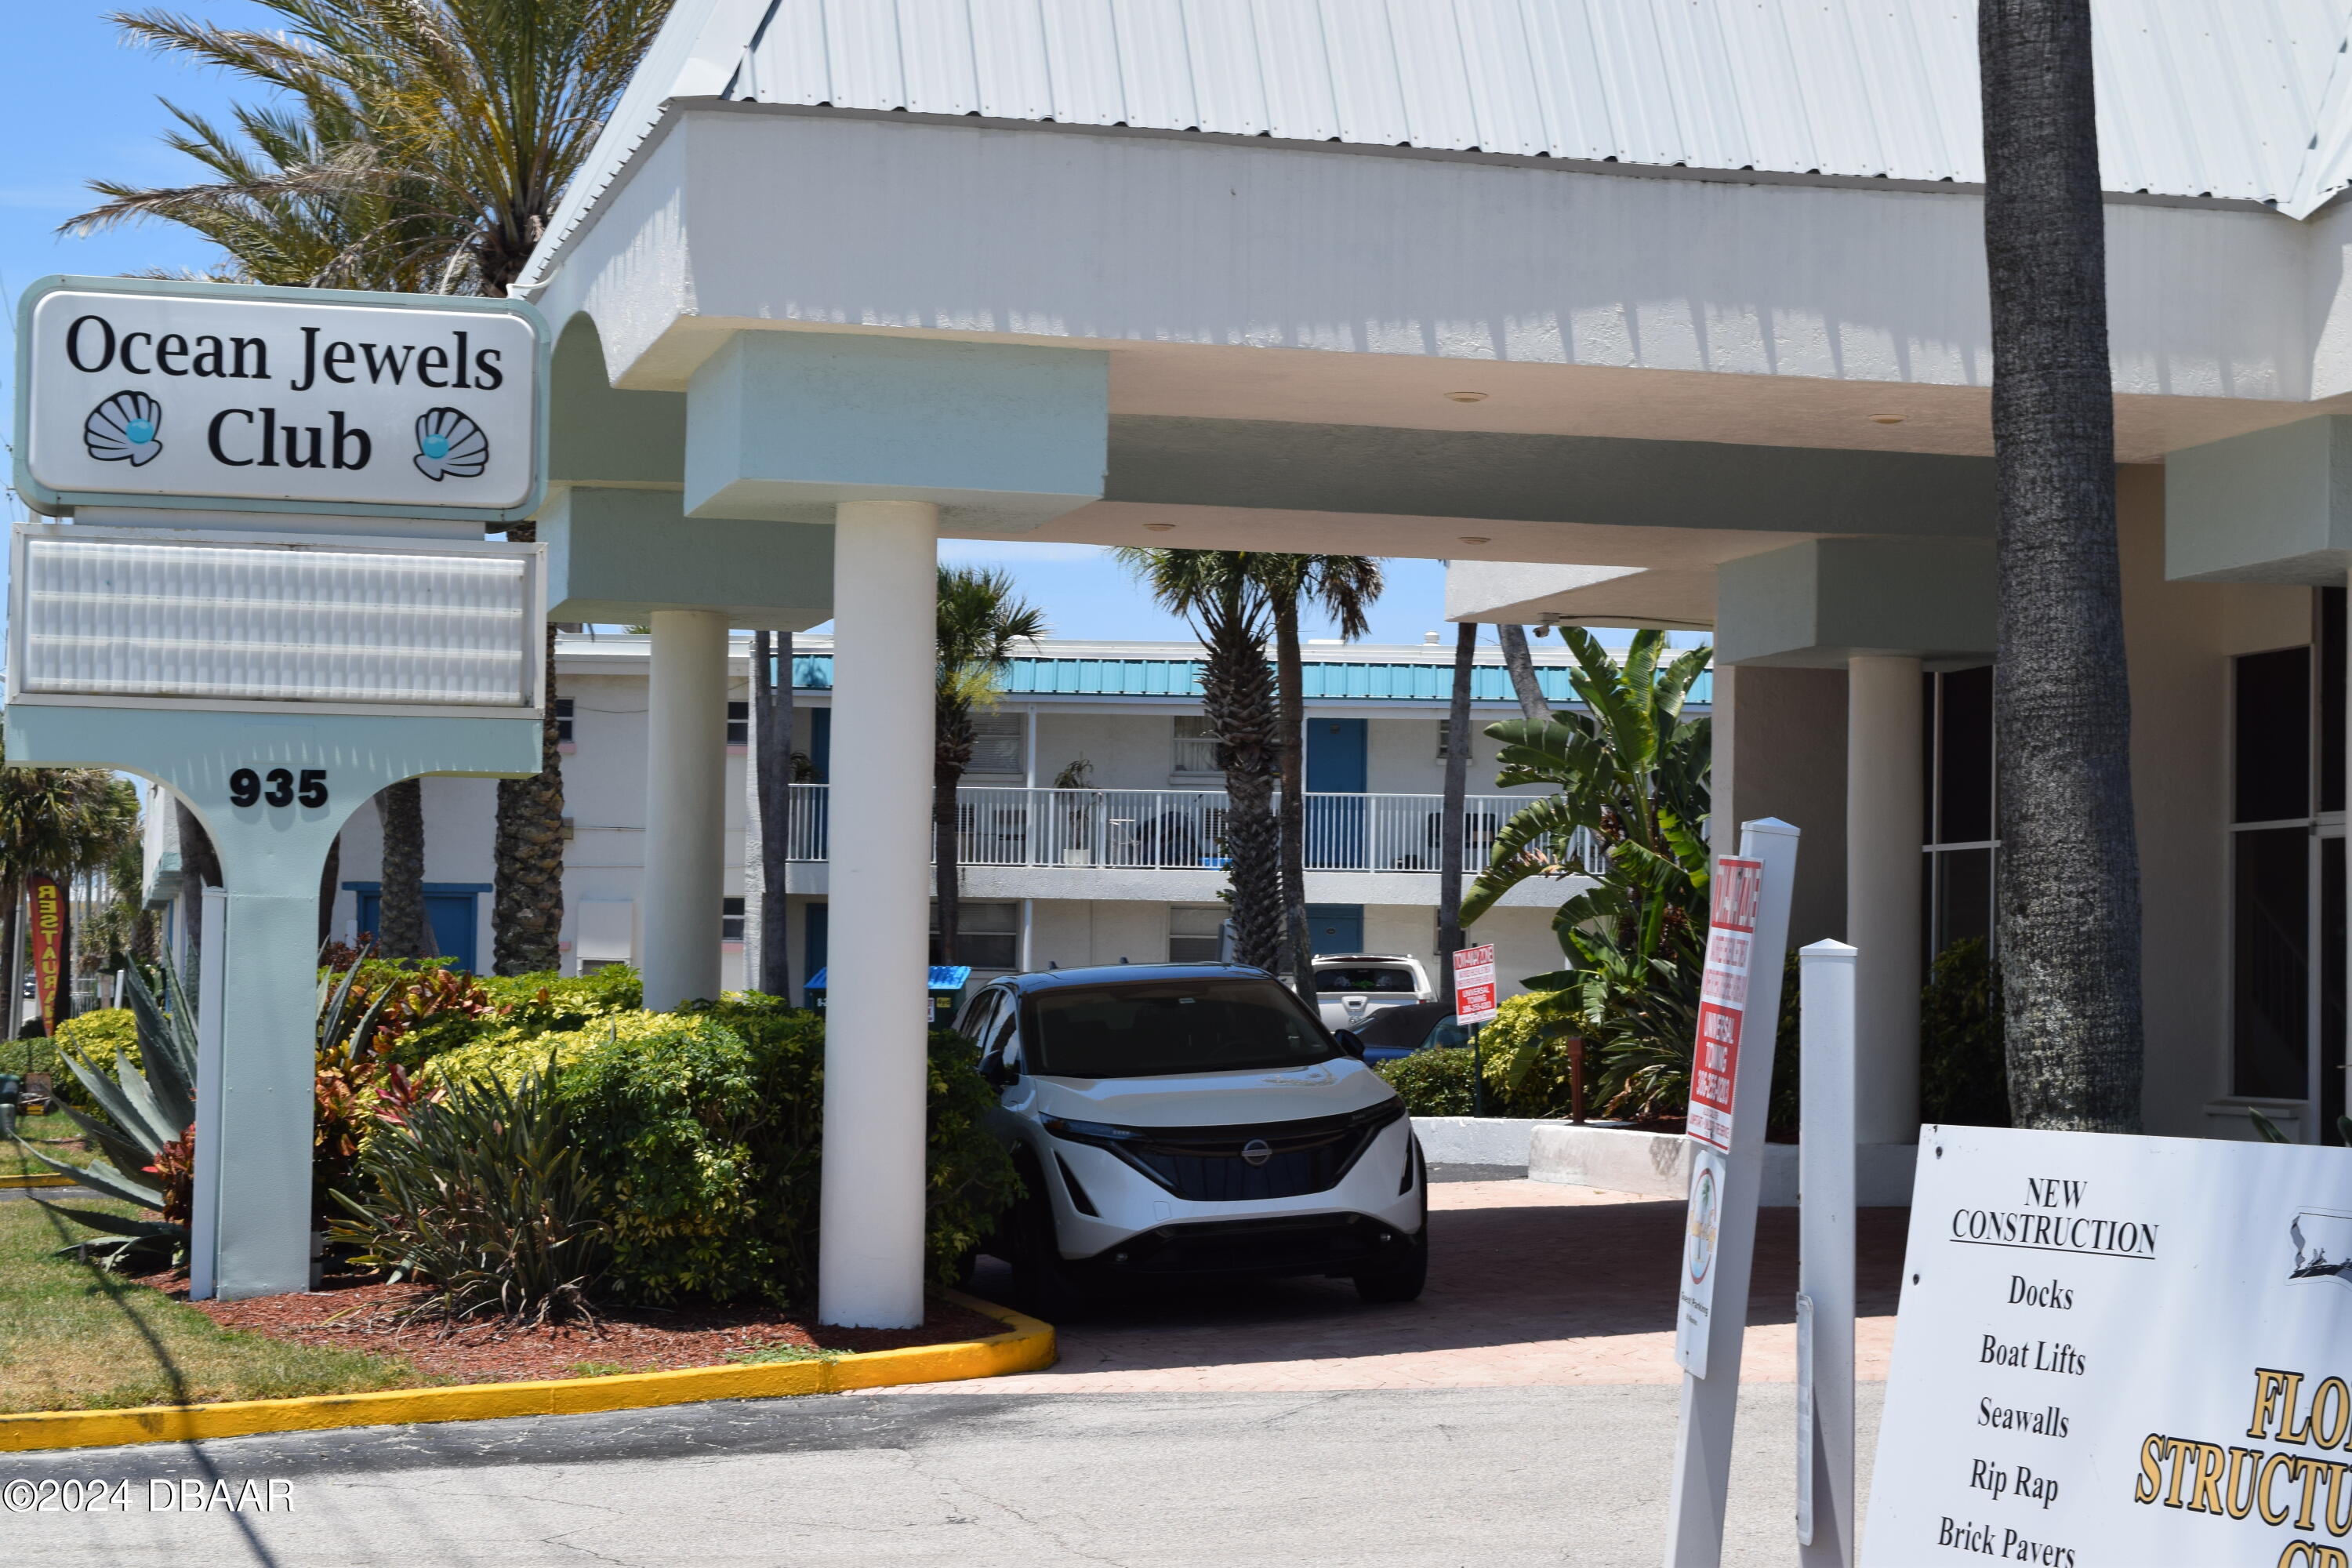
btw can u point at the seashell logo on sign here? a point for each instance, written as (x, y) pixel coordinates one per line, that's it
(122, 429)
(158, 393)
(450, 445)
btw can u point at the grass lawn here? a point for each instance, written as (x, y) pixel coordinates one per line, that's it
(73, 1337)
(53, 1135)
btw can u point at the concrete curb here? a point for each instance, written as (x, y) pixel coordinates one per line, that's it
(13, 1184)
(1475, 1139)
(1026, 1345)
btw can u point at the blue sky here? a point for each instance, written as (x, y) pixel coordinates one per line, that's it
(82, 106)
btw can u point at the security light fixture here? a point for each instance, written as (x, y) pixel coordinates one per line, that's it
(1159, 527)
(1886, 419)
(1477, 539)
(1467, 397)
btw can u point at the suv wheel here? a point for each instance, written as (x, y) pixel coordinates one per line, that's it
(1042, 1284)
(1401, 1281)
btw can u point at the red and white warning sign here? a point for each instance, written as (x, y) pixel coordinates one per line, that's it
(1722, 999)
(1473, 984)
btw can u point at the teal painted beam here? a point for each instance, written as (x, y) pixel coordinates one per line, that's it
(783, 425)
(621, 554)
(1820, 603)
(2272, 506)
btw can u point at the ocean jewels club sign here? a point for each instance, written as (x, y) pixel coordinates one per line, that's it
(216, 396)
(2120, 1350)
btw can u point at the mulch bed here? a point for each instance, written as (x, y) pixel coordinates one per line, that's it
(359, 1313)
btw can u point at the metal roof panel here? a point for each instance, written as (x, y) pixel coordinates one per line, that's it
(2238, 99)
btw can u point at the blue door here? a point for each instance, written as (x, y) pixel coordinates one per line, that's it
(1335, 928)
(450, 911)
(1336, 765)
(816, 924)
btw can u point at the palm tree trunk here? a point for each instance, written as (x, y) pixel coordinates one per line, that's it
(12, 932)
(771, 763)
(526, 881)
(65, 947)
(2069, 865)
(1457, 785)
(1237, 692)
(401, 928)
(328, 873)
(1532, 701)
(1290, 680)
(945, 776)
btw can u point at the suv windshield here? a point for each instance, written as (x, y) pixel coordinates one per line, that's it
(1152, 1028)
(1365, 977)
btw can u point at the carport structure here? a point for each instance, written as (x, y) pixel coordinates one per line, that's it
(1683, 304)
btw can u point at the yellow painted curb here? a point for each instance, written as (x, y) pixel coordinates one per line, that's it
(1026, 1345)
(9, 1183)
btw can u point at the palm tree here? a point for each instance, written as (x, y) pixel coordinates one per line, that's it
(402, 929)
(1344, 587)
(981, 622)
(2069, 864)
(772, 799)
(1224, 593)
(1450, 812)
(1631, 813)
(1522, 668)
(418, 145)
(58, 822)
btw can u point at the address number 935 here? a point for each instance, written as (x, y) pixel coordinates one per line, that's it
(279, 786)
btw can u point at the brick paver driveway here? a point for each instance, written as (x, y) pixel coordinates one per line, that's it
(1529, 1283)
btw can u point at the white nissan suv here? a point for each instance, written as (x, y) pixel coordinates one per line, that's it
(1192, 1120)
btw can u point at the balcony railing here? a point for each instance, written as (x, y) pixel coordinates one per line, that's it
(1167, 829)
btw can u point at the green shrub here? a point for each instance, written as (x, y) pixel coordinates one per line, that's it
(1526, 1058)
(1963, 1062)
(702, 1131)
(481, 1193)
(1435, 1082)
(99, 1035)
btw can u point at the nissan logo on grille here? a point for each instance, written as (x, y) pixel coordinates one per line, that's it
(1257, 1152)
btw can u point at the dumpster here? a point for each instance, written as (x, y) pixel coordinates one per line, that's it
(946, 983)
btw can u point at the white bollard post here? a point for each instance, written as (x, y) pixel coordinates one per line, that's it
(1825, 1239)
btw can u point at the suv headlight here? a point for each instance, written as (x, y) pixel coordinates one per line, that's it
(1088, 1132)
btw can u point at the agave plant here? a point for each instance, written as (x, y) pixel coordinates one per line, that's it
(480, 1194)
(146, 1133)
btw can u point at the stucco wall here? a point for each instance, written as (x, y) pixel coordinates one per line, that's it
(1780, 751)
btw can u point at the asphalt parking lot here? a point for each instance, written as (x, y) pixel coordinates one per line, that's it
(1522, 1412)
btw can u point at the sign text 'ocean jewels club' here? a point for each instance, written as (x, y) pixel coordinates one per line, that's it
(325, 400)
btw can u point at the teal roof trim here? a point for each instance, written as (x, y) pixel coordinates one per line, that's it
(1328, 681)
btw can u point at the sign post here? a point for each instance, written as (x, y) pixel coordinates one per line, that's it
(1731, 1077)
(275, 598)
(1825, 1221)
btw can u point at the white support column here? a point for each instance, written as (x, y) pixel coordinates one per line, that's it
(686, 807)
(885, 587)
(1882, 872)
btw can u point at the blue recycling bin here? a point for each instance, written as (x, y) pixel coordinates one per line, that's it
(945, 983)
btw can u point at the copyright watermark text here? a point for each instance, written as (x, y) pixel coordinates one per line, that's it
(21, 1495)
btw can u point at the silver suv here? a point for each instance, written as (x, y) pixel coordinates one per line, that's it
(1191, 1119)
